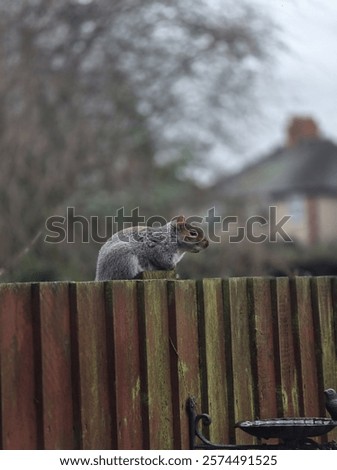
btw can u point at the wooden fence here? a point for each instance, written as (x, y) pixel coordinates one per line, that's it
(110, 365)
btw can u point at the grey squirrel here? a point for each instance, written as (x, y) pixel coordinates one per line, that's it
(133, 250)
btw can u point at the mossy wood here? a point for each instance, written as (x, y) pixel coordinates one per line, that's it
(110, 365)
(123, 342)
(56, 384)
(287, 360)
(242, 352)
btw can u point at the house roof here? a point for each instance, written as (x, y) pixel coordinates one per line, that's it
(310, 167)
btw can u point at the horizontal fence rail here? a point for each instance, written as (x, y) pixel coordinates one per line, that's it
(93, 365)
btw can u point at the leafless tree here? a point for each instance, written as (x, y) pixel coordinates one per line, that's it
(104, 100)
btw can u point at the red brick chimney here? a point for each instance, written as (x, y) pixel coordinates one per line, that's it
(302, 128)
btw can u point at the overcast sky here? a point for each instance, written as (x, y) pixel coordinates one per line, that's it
(304, 77)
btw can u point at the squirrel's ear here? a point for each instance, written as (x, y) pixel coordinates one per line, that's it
(180, 220)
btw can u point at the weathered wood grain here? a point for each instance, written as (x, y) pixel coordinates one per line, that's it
(111, 365)
(326, 352)
(213, 331)
(146, 275)
(123, 343)
(305, 347)
(324, 327)
(56, 380)
(263, 333)
(287, 370)
(184, 354)
(19, 408)
(243, 378)
(155, 365)
(91, 393)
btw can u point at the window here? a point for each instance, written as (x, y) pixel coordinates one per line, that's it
(296, 204)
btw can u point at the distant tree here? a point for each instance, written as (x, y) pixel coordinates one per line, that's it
(104, 104)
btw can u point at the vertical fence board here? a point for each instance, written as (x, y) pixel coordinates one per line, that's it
(334, 306)
(264, 360)
(185, 375)
(334, 313)
(56, 366)
(325, 339)
(215, 360)
(124, 316)
(326, 347)
(155, 357)
(18, 391)
(305, 347)
(93, 398)
(323, 311)
(243, 383)
(288, 376)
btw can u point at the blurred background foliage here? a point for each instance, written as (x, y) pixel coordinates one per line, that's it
(117, 103)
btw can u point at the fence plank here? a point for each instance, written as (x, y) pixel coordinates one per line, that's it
(185, 373)
(334, 306)
(334, 313)
(263, 339)
(243, 382)
(215, 360)
(323, 313)
(56, 366)
(155, 365)
(287, 370)
(92, 376)
(325, 344)
(125, 339)
(18, 406)
(305, 347)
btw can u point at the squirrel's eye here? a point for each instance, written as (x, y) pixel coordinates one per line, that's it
(193, 233)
